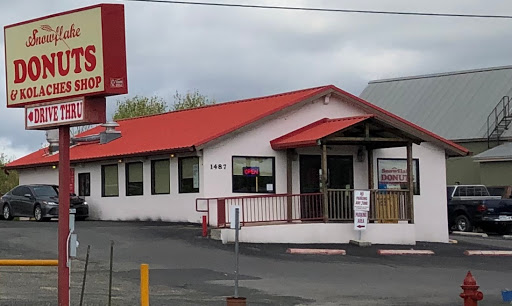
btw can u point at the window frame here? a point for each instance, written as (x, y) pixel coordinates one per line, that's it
(273, 158)
(88, 186)
(127, 179)
(415, 164)
(180, 173)
(153, 178)
(103, 180)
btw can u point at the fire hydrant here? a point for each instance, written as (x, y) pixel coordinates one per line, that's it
(471, 295)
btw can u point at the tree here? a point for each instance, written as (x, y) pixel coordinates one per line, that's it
(139, 106)
(191, 100)
(8, 180)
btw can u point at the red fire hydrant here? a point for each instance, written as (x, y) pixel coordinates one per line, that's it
(471, 295)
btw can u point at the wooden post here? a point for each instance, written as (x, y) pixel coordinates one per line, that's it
(289, 184)
(371, 175)
(410, 182)
(324, 183)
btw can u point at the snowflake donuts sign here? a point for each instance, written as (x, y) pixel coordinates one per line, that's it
(73, 54)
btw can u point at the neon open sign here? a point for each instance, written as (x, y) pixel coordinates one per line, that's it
(251, 171)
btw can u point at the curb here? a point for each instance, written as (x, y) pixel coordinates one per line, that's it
(487, 253)
(507, 237)
(316, 252)
(483, 235)
(405, 252)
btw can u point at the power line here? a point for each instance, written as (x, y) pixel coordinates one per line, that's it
(331, 10)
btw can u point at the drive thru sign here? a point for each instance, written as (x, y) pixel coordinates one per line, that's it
(361, 209)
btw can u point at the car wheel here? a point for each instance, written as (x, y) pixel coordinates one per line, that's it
(38, 214)
(463, 224)
(6, 212)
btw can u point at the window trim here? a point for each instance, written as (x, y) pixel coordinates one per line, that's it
(180, 172)
(127, 176)
(86, 194)
(153, 161)
(103, 181)
(414, 160)
(273, 158)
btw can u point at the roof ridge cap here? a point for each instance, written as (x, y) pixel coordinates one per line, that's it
(227, 103)
(439, 74)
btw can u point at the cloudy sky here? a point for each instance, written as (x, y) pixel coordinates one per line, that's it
(234, 53)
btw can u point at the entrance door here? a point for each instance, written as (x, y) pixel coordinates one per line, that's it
(340, 175)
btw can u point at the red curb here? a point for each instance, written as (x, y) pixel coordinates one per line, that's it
(316, 252)
(487, 253)
(405, 252)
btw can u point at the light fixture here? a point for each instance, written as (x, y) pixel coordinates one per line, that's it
(172, 155)
(120, 160)
(54, 167)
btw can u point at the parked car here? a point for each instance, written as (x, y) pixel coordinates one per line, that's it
(38, 201)
(471, 206)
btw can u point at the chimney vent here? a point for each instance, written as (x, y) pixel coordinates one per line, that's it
(110, 132)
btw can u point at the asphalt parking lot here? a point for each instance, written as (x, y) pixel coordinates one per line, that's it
(186, 269)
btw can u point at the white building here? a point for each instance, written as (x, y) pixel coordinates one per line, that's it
(267, 155)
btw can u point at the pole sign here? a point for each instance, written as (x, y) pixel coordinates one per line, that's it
(75, 112)
(361, 200)
(72, 54)
(361, 209)
(360, 220)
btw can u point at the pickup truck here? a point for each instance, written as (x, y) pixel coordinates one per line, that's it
(471, 206)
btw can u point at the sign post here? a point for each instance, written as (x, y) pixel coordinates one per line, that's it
(60, 68)
(361, 209)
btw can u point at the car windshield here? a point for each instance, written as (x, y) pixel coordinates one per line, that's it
(45, 191)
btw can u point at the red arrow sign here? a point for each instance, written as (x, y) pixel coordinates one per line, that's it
(359, 226)
(31, 116)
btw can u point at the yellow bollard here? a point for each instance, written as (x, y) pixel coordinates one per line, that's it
(29, 262)
(144, 285)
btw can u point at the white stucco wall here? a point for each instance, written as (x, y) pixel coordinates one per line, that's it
(41, 175)
(430, 211)
(401, 233)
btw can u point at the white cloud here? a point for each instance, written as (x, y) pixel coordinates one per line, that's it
(12, 152)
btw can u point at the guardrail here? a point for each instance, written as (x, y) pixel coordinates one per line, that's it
(386, 206)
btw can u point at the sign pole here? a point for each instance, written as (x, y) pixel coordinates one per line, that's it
(64, 195)
(237, 229)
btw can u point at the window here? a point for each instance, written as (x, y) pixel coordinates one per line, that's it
(189, 174)
(134, 179)
(160, 177)
(393, 174)
(84, 184)
(46, 191)
(253, 174)
(109, 181)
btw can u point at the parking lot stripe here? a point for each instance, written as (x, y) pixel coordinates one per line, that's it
(487, 253)
(316, 251)
(405, 252)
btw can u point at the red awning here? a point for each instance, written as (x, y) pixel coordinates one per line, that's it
(308, 135)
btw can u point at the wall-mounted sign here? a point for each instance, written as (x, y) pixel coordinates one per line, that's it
(393, 174)
(251, 171)
(74, 112)
(72, 54)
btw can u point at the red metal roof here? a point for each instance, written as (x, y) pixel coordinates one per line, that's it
(308, 135)
(187, 129)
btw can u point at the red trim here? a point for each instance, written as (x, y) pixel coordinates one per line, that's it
(56, 15)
